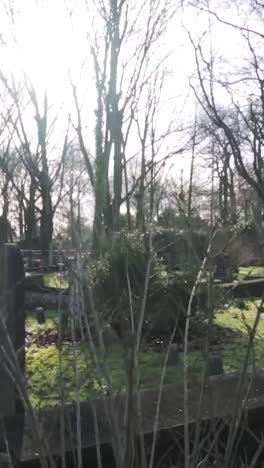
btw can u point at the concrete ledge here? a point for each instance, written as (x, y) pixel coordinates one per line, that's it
(219, 398)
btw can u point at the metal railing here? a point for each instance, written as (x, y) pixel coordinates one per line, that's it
(39, 260)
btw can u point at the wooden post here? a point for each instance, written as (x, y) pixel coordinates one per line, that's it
(12, 324)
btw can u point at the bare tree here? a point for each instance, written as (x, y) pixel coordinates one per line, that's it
(122, 66)
(34, 151)
(77, 192)
(240, 122)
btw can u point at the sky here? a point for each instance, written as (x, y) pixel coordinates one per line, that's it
(47, 39)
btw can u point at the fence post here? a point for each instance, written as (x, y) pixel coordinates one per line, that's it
(12, 325)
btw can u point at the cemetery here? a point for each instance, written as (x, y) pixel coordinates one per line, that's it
(131, 234)
(49, 351)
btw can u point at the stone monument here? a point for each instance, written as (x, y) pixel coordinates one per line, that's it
(12, 326)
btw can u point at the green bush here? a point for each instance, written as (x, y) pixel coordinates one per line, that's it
(125, 264)
(185, 248)
(122, 268)
(167, 306)
(168, 293)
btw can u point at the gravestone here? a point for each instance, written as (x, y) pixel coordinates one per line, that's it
(173, 357)
(223, 268)
(40, 314)
(12, 325)
(215, 366)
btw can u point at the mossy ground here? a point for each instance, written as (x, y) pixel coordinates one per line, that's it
(54, 280)
(51, 372)
(51, 323)
(240, 317)
(250, 272)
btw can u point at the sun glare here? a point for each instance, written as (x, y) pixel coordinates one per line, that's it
(46, 47)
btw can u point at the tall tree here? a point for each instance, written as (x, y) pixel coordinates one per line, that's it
(32, 145)
(122, 40)
(240, 121)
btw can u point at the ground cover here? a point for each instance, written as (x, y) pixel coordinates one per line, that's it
(250, 272)
(239, 318)
(51, 373)
(55, 280)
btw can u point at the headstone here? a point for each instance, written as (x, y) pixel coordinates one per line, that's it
(34, 282)
(40, 314)
(109, 336)
(12, 324)
(223, 268)
(215, 366)
(173, 358)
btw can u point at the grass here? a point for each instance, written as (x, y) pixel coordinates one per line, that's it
(55, 280)
(50, 325)
(241, 321)
(44, 378)
(250, 272)
(43, 375)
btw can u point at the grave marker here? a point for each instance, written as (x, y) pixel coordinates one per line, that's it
(12, 324)
(223, 268)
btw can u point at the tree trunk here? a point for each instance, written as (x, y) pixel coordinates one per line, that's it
(100, 181)
(115, 117)
(46, 218)
(118, 169)
(128, 213)
(79, 223)
(72, 220)
(225, 198)
(21, 218)
(190, 191)
(46, 229)
(5, 208)
(102, 224)
(233, 200)
(30, 216)
(140, 215)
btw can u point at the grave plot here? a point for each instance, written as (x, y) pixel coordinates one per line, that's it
(49, 365)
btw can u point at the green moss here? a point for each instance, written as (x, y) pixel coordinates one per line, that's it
(51, 324)
(53, 280)
(250, 271)
(45, 381)
(240, 322)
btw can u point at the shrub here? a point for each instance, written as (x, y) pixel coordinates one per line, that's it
(180, 249)
(122, 268)
(167, 306)
(168, 292)
(126, 261)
